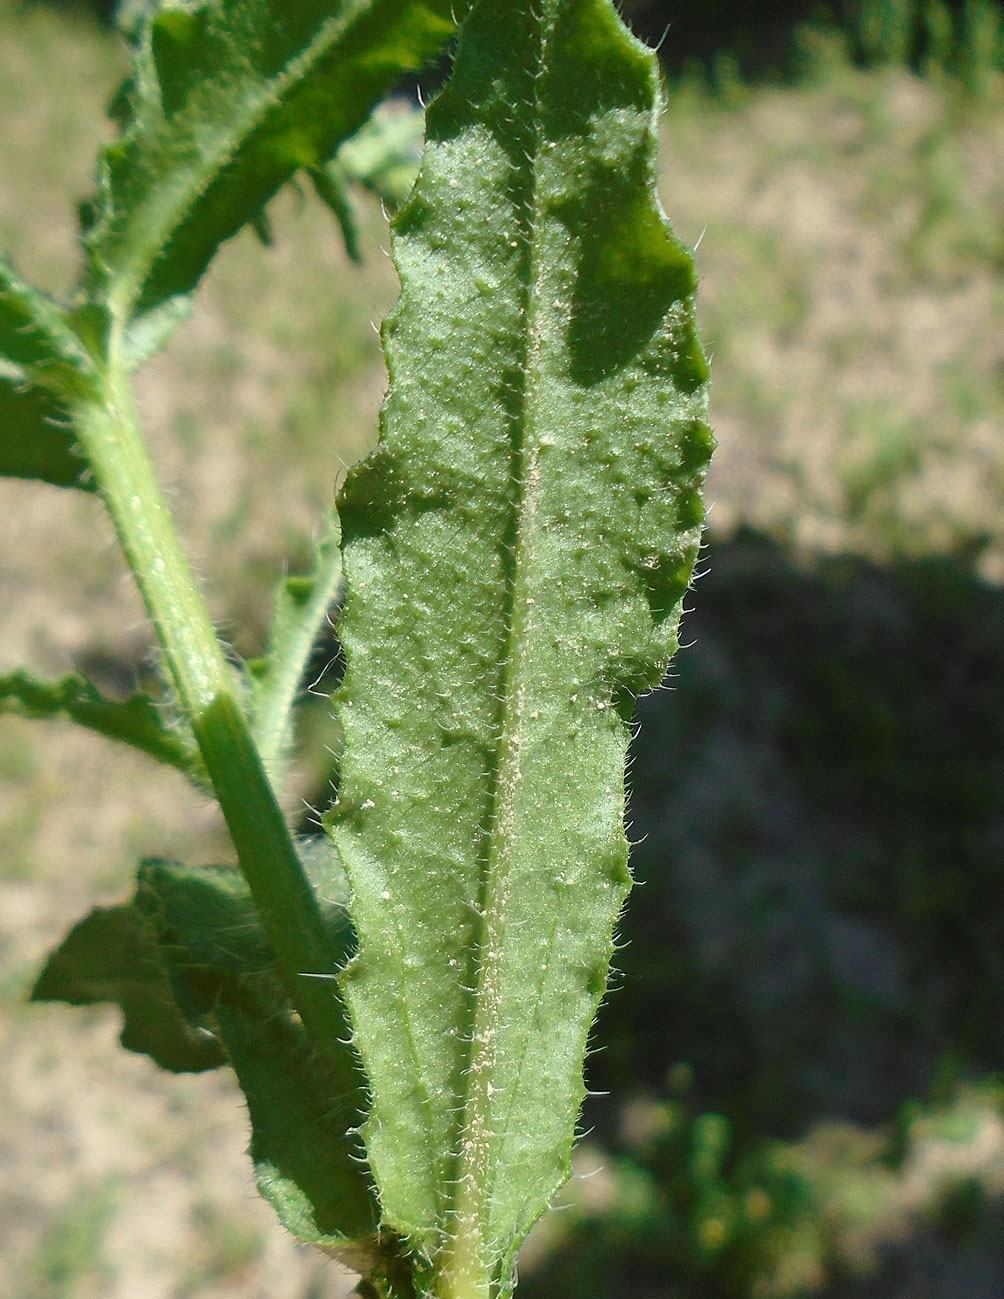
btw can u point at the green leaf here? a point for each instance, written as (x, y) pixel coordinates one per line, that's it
(190, 966)
(308, 1164)
(228, 101)
(516, 553)
(148, 334)
(137, 721)
(302, 605)
(332, 189)
(383, 155)
(113, 955)
(37, 338)
(303, 1144)
(36, 439)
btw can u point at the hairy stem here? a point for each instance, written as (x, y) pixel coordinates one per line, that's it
(207, 689)
(109, 434)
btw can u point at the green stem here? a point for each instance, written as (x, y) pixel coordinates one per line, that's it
(109, 436)
(207, 689)
(282, 894)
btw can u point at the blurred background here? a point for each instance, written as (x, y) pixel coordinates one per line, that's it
(798, 1075)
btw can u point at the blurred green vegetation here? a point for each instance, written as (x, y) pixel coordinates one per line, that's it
(70, 1259)
(797, 1072)
(961, 37)
(964, 37)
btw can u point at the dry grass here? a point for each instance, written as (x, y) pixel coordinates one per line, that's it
(852, 258)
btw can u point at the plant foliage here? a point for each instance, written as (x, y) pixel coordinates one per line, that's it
(226, 103)
(515, 555)
(527, 530)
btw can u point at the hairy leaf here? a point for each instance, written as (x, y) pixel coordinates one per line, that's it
(303, 1146)
(228, 101)
(302, 605)
(516, 554)
(36, 440)
(136, 721)
(190, 966)
(148, 333)
(37, 338)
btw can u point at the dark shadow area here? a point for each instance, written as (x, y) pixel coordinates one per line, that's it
(819, 798)
(817, 934)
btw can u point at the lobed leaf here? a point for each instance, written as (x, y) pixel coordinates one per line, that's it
(227, 101)
(190, 966)
(36, 439)
(137, 721)
(516, 552)
(113, 955)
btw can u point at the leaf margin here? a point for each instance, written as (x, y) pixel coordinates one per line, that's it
(383, 497)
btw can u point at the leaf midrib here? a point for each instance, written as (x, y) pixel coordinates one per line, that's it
(473, 1192)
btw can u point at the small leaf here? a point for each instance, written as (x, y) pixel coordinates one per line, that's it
(383, 155)
(36, 337)
(148, 334)
(307, 1157)
(226, 102)
(137, 721)
(190, 966)
(516, 554)
(113, 955)
(36, 438)
(302, 605)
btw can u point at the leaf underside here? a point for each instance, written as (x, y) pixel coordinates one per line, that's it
(36, 440)
(227, 101)
(112, 955)
(38, 342)
(516, 553)
(189, 965)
